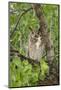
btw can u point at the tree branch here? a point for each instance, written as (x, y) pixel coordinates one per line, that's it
(22, 57)
(19, 20)
(15, 11)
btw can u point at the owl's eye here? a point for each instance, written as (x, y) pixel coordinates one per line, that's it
(32, 32)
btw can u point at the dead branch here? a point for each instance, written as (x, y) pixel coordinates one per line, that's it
(22, 57)
(19, 20)
(15, 11)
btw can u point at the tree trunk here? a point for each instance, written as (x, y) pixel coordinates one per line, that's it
(44, 32)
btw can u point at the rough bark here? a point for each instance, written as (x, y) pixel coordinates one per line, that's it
(53, 78)
(43, 31)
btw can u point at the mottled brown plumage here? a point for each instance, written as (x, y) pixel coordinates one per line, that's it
(35, 47)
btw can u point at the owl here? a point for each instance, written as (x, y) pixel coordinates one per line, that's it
(36, 46)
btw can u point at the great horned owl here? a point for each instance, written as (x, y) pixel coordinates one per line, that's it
(36, 46)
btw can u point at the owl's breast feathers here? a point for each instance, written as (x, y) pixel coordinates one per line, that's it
(38, 42)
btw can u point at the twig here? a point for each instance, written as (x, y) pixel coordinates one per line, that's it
(19, 20)
(14, 11)
(16, 52)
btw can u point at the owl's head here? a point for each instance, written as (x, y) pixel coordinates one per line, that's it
(34, 37)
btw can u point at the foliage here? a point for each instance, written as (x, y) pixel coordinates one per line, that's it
(22, 73)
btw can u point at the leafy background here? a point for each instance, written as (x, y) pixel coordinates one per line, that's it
(22, 73)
